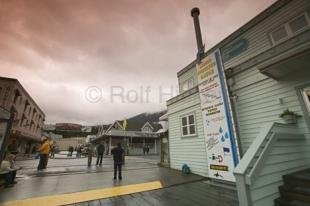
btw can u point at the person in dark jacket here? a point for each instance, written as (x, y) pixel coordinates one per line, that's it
(118, 157)
(100, 151)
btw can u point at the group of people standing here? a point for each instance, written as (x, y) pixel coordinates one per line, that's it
(117, 152)
(118, 158)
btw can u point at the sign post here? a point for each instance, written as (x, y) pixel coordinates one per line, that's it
(222, 154)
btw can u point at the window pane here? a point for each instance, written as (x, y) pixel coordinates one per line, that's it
(191, 119)
(185, 86)
(184, 130)
(184, 121)
(299, 23)
(279, 34)
(192, 129)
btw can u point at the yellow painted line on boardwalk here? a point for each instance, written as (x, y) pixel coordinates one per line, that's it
(71, 198)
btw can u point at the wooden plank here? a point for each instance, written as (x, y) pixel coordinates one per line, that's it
(118, 201)
(94, 203)
(82, 204)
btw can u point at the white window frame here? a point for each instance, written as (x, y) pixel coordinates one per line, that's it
(187, 84)
(301, 30)
(303, 101)
(188, 125)
(282, 40)
(288, 29)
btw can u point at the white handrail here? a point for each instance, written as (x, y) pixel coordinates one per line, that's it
(251, 152)
(253, 157)
(251, 163)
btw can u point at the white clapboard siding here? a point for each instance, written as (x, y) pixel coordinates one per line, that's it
(187, 150)
(258, 36)
(287, 156)
(258, 102)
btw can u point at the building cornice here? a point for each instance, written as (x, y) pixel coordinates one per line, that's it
(183, 95)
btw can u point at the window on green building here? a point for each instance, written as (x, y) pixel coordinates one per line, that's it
(188, 126)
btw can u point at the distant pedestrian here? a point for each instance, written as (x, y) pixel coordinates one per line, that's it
(44, 151)
(53, 150)
(70, 151)
(90, 152)
(100, 151)
(118, 157)
(78, 151)
(144, 150)
(147, 149)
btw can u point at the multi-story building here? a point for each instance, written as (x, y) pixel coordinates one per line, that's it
(28, 117)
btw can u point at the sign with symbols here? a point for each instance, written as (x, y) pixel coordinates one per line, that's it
(219, 134)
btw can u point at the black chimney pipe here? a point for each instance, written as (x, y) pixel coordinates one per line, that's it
(195, 13)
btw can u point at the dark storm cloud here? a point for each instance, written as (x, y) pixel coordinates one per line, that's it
(57, 49)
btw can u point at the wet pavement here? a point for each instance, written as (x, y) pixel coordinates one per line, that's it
(72, 176)
(72, 165)
(67, 176)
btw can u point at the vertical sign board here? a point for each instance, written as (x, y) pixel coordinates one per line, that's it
(221, 145)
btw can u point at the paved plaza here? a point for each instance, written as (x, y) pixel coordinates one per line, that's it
(70, 181)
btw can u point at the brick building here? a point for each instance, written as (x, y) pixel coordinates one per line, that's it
(28, 118)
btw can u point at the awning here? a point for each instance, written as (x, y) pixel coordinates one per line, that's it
(293, 64)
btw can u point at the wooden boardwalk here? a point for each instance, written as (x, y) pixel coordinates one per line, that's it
(189, 194)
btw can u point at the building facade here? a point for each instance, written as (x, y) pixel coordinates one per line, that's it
(266, 71)
(28, 116)
(137, 133)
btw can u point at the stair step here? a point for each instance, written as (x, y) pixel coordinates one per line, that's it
(283, 202)
(298, 179)
(297, 193)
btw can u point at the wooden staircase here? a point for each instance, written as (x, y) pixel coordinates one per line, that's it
(296, 189)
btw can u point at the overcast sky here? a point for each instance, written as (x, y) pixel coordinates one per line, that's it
(96, 61)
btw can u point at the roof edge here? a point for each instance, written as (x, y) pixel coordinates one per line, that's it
(247, 26)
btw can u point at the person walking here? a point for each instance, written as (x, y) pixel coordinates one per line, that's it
(147, 149)
(71, 151)
(118, 157)
(100, 151)
(44, 151)
(90, 152)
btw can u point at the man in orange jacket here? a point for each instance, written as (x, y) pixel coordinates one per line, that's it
(44, 153)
